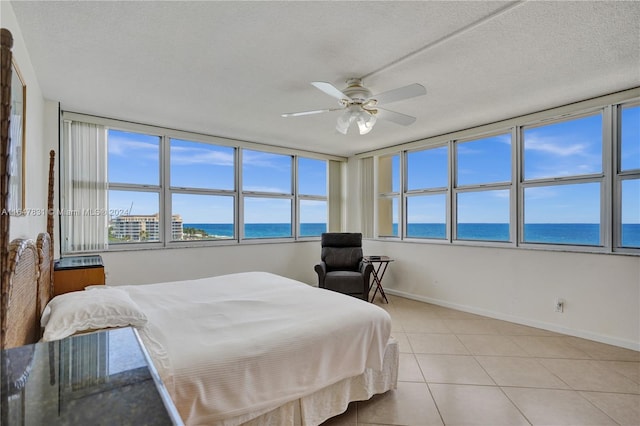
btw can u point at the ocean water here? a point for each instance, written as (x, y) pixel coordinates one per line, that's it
(259, 230)
(549, 233)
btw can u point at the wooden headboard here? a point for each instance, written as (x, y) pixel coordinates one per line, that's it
(26, 266)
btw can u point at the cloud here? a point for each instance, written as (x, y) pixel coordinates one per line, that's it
(264, 159)
(555, 146)
(185, 156)
(124, 146)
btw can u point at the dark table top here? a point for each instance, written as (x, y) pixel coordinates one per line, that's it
(377, 259)
(76, 262)
(102, 378)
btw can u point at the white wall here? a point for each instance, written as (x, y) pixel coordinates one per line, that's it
(35, 154)
(601, 291)
(292, 260)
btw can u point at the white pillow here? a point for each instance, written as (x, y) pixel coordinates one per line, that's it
(70, 313)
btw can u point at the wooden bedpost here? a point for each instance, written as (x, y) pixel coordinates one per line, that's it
(6, 41)
(51, 214)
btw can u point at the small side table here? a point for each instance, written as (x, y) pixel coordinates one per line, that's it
(378, 273)
(74, 273)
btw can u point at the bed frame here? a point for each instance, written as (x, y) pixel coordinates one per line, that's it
(26, 266)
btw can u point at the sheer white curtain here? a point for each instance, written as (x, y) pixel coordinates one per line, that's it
(15, 164)
(367, 196)
(84, 216)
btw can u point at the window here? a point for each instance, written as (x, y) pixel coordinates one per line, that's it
(426, 195)
(312, 197)
(134, 187)
(630, 138)
(388, 195)
(483, 215)
(267, 188)
(629, 176)
(202, 186)
(137, 185)
(483, 188)
(566, 148)
(563, 181)
(427, 216)
(201, 165)
(562, 214)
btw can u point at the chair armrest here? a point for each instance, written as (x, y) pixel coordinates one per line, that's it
(365, 269)
(321, 270)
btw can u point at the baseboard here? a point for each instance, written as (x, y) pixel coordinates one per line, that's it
(623, 343)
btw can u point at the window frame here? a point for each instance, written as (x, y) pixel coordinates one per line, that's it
(299, 197)
(600, 178)
(441, 190)
(262, 194)
(481, 187)
(133, 187)
(166, 191)
(610, 177)
(620, 176)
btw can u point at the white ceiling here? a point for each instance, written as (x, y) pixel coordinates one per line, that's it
(231, 68)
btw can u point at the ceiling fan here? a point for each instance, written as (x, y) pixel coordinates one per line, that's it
(363, 108)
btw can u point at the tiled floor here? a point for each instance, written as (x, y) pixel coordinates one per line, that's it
(458, 368)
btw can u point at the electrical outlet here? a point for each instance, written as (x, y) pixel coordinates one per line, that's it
(559, 305)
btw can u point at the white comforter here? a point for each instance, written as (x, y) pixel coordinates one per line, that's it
(249, 342)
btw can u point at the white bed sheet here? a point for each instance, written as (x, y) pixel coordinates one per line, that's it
(238, 344)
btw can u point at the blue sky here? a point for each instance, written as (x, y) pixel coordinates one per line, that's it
(134, 158)
(550, 151)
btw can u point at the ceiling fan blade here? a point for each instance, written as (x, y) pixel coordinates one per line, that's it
(406, 92)
(396, 117)
(330, 90)
(317, 111)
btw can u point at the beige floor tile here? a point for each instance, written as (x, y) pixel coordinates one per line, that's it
(602, 351)
(549, 347)
(557, 407)
(348, 418)
(471, 326)
(447, 313)
(460, 369)
(556, 378)
(590, 375)
(421, 324)
(484, 344)
(628, 369)
(624, 409)
(522, 372)
(436, 344)
(403, 341)
(408, 370)
(475, 405)
(513, 329)
(410, 404)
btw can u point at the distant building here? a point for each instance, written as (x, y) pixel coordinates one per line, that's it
(143, 227)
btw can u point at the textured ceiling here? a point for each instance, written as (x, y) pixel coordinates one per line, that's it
(231, 68)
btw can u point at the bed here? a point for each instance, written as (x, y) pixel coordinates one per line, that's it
(249, 348)
(246, 348)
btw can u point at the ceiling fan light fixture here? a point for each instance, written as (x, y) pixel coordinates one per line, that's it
(344, 121)
(366, 120)
(360, 106)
